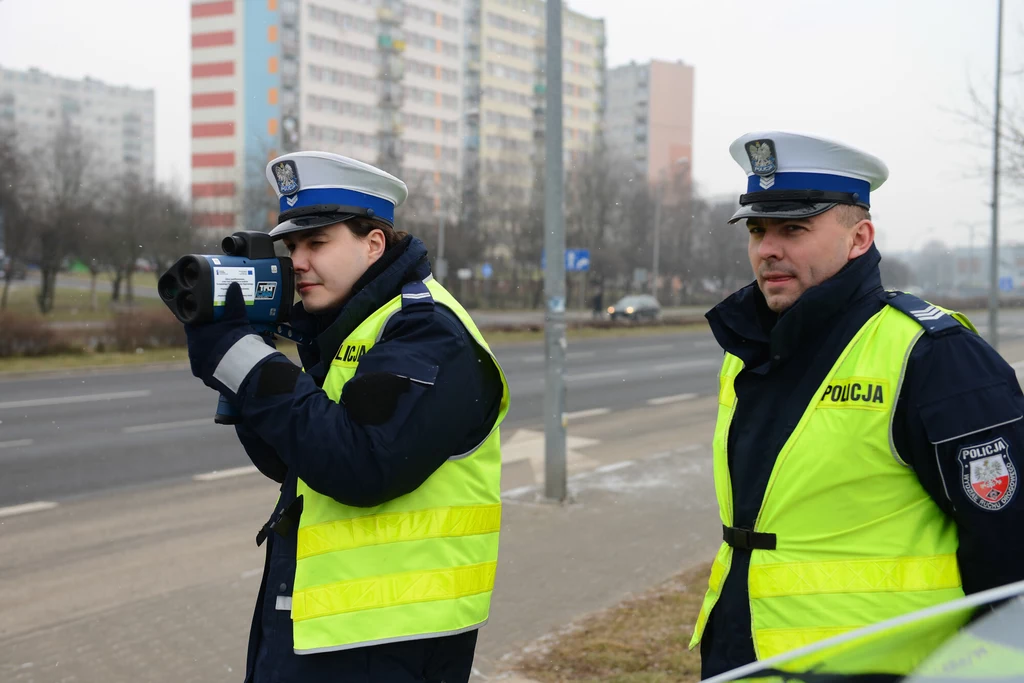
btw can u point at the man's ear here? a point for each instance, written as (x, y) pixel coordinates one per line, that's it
(863, 238)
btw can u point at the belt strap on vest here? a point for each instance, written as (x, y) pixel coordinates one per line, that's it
(746, 539)
(282, 523)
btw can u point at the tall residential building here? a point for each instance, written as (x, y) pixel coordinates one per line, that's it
(116, 122)
(505, 92)
(376, 80)
(650, 117)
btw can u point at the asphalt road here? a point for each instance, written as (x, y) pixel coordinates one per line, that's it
(82, 434)
(88, 433)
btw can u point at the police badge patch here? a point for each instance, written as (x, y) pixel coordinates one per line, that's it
(287, 176)
(763, 161)
(988, 474)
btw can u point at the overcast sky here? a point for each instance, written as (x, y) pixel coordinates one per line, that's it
(885, 75)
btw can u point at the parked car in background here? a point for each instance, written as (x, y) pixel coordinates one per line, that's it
(635, 307)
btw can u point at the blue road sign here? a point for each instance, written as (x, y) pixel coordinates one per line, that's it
(576, 260)
(486, 271)
(1005, 283)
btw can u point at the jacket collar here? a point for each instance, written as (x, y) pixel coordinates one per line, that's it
(382, 282)
(745, 327)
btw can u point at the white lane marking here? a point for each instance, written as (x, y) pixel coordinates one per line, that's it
(593, 412)
(168, 425)
(614, 466)
(539, 358)
(62, 400)
(248, 574)
(15, 444)
(37, 506)
(512, 493)
(686, 364)
(596, 375)
(647, 349)
(224, 474)
(662, 400)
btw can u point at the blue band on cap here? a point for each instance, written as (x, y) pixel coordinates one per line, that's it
(826, 182)
(338, 195)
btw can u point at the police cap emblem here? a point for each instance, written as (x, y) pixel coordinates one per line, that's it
(287, 176)
(763, 160)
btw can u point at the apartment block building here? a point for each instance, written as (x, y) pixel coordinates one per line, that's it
(376, 80)
(506, 96)
(650, 118)
(116, 122)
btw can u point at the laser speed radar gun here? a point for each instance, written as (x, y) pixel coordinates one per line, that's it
(195, 289)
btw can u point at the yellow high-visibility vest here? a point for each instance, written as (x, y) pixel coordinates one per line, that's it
(419, 566)
(857, 538)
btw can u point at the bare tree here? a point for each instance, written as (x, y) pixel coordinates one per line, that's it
(129, 224)
(896, 273)
(62, 198)
(168, 234)
(723, 247)
(92, 247)
(14, 179)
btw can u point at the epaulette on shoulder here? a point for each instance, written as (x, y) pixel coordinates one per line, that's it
(416, 293)
(933, 319)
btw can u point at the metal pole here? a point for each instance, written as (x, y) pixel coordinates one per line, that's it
(657, 238)
(993, 284)
(554, 273)
(442, 265)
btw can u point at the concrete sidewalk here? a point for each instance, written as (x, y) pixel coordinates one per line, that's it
(158, 584)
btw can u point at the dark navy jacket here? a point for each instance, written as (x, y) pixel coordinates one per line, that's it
(958, 393)
(423, 393)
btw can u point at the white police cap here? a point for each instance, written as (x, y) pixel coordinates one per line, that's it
(791, 175)
(319, 188)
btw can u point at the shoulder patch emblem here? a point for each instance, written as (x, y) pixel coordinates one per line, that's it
(988, 474)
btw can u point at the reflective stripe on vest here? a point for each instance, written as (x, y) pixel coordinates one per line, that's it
(858, 540)
(419, 566)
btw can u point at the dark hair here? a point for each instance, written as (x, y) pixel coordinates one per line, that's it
(361, 227)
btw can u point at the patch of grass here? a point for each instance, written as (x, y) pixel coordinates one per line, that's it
(641, 640)
(71, 361)
(494, 337)
(88, 360)
(73, 305)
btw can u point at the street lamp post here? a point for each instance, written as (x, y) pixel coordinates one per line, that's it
(993, 284)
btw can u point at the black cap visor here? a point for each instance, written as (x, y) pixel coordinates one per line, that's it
(782, 204)
(781, 210)
(319, 216)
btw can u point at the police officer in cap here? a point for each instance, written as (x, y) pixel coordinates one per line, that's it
(868, 444)
(382, 549)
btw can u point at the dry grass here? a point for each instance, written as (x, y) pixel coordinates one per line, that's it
(73, 305)
(495, 336)
(88, 361)
(641, 640)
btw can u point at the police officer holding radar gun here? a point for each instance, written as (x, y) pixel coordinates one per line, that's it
(382, 549)
(868, 444)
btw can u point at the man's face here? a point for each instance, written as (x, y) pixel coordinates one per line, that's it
(789, 256)
(328, 261)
